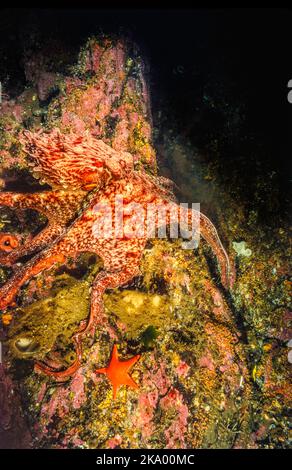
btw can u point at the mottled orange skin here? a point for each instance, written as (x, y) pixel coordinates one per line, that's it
(58, 206)
(76, 162)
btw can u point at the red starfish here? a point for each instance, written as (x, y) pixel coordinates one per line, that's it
(118, 371)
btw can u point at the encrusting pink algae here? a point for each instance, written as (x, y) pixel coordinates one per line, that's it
(204, 378)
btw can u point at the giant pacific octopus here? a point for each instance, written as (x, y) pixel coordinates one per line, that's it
(85, 174)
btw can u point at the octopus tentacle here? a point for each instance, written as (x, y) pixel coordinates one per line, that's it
(62, 375)
(58, 206)
(25, 200)
(32, 244)
(39, 263)
(210, 234)
(103, 281)
(207, 230)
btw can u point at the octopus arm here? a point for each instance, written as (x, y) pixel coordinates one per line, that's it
(32, 244)
(103, 281)
(42, 202)
(58, 206)
(39, 263)
(209, 233)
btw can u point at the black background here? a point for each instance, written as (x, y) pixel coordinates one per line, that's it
(250, 46)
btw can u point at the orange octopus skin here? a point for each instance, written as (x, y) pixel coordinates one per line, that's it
(75, 162)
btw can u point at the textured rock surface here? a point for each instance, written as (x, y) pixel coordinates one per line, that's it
(213, 368)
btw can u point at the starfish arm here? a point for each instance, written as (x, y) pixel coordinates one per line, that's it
(130, 382)
(115, 389)
(115, 356)
(130, 362)
(103, 370)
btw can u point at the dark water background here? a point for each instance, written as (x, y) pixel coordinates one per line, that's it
(240, 57)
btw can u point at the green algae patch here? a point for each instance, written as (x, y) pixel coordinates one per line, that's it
(37, 327)
(137, 310)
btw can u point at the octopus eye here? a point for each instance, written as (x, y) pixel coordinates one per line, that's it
(6, 243)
